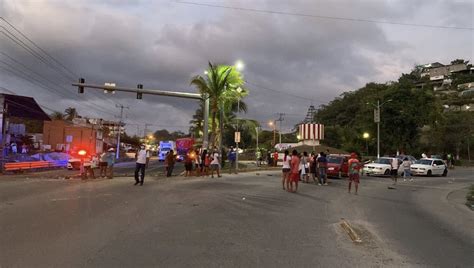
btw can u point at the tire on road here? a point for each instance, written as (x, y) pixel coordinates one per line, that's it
(387, 172)
(429, 173)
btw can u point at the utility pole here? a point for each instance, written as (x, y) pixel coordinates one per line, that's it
(117, 155)
(377, 121)
(146, 130)
(280, 119)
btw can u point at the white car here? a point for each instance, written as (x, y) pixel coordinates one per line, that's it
(75, 163)
(382, 166)
(429, 167)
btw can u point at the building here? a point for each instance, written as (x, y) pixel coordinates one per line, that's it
(22, 107)
(440, 75)
(61, 135)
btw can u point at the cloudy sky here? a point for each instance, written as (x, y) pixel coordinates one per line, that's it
(293, 57)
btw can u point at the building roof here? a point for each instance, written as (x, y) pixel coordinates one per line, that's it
(24, 107)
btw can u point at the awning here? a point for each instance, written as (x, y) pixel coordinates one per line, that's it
(24, 107)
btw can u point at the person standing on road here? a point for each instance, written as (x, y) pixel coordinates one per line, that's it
(169, 163)
(406, 169)
(203, 162)
(215, 164)
(232, 156)
(275, 158)
(207, 163)
(286, 169)
(394, 171)
(294, 172)
(197, 162)
(109, 165)
(313, 164)
(188, 163)
(142, 157)
(322, 166)
(354, 168)
(103, 165)
(304, 167)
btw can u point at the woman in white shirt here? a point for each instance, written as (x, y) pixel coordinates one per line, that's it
(286, 168)
(215, 164)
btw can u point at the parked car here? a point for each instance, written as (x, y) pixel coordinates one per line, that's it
(337, 166)
(429, 167)
(382, 166)
(75, 163)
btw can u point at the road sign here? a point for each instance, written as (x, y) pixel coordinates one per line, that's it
(237, 137)
(69, 138)
(376, 115)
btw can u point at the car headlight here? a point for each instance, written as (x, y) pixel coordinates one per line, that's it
(422, 168)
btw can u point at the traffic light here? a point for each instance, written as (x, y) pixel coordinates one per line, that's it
(139, 94)
(80, 89)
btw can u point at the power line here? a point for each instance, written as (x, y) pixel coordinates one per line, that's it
(37, 55)
(34, 53)
(40, 84)
(41, 76)
(286, 93)
(31, 41)
(314, 16)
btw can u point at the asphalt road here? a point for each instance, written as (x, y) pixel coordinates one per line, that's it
(243, 220)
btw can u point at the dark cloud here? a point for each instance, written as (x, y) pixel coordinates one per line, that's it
(163, 44)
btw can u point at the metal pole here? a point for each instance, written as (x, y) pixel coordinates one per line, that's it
(4, 132)
(279, 132)
(256, 149)
(274, 132)
(237, 159)
(378, 130)
(117, 154)
(187, 95)
(221, 130)
(205, 135)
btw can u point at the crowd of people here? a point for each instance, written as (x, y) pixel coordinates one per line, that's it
(301, 167)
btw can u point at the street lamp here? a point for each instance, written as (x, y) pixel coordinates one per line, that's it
(366, 137)
(239, 65)
(377, 120)
(273, 124)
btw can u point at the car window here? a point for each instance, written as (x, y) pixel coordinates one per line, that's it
(439, 163)
(386, 161)
(424, 162)
(334, 159)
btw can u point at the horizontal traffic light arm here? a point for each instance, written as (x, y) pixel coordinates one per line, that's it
(188, 95)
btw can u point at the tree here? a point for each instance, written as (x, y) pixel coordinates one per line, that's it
(57, 116)
(220, 85)
(71, 113)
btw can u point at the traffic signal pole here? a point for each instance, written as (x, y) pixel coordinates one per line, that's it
(117, 154)
(186, 95)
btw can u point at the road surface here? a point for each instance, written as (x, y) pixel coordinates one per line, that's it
(243, 220)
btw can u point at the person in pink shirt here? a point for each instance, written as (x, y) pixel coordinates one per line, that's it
(294, 172)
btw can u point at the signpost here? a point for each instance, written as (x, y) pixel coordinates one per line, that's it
(237, 140)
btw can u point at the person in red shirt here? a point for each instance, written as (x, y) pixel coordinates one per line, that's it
(354, 169)
(294, 172)
(275, 158)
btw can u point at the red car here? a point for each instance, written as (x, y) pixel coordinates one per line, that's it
(337, 165)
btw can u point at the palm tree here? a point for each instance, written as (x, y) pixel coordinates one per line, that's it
(220, 85)
(57, 116)
(71, 113)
